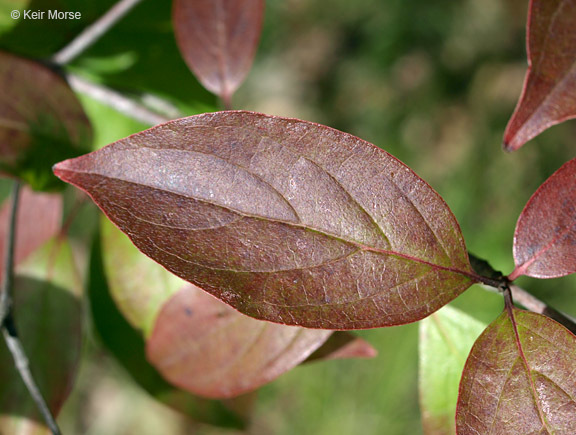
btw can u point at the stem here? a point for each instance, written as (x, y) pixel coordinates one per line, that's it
(117, 101)
(7, 318)
(93, 32)
(535, 305)
(8, 279)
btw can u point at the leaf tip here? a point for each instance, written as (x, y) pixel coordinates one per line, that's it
(61, 168)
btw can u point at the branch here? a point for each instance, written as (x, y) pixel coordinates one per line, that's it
(535, 305)
(7, 319)
(117, 101)
(8, 279)
(93, 32)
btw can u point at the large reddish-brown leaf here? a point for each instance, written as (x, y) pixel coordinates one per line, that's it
(549, 95)
(39, 216)
(205, 347)
(545, 236)
(218, 40)
(286, 220)
(41, 121)
(519, 378)
(48, 315)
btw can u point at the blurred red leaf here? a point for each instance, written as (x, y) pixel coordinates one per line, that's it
(218, 40)
(48, 316)
(39, 218)
(545, 236)
(203, 346)
(41, 121)
(519, 379)
(549, 95)
(283, 219)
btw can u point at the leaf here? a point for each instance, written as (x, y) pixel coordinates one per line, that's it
(283, 219)
(41, 121)
(545, 235)
(446, 338)
(48, 317)
(128, 347)
(218, 40)
(519, 378)
(343, 345)
(549, 94)
(39, 216)
(205, 347)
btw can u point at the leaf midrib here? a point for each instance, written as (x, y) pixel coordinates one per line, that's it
(360, 247)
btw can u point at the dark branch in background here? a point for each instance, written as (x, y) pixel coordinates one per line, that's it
(93, 32)
(7, 319)
(8, 278)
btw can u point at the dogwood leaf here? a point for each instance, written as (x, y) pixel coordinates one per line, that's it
(204, 346)
(218, 40)
(283, 219)
(549, 94)
(519, 378)
(545, 236)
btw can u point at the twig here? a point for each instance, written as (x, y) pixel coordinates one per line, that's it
(93, 32)
(7, 319)
(8, 279)
(115, 100)
(535, 305)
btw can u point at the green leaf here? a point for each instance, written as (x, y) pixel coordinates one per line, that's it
(285, 220)
(446, 338)
(48, 316)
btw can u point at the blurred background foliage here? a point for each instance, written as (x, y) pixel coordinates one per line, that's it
(433, 83)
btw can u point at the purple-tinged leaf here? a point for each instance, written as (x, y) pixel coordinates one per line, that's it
(446, 338)
(41, 121)
(549, 94)
(203, 346)
(39, 216)
(218, 40)
(545, 236)
(519, 378)
(48, 316)
(283, 219)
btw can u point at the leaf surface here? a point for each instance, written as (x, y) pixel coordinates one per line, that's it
(283, 219)
(41, 121)
(549, 94)
(48, 316)
(218, 40)
(206, 347)
(545, 235)
(446, 338)
(39, 217)
(519, 378)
